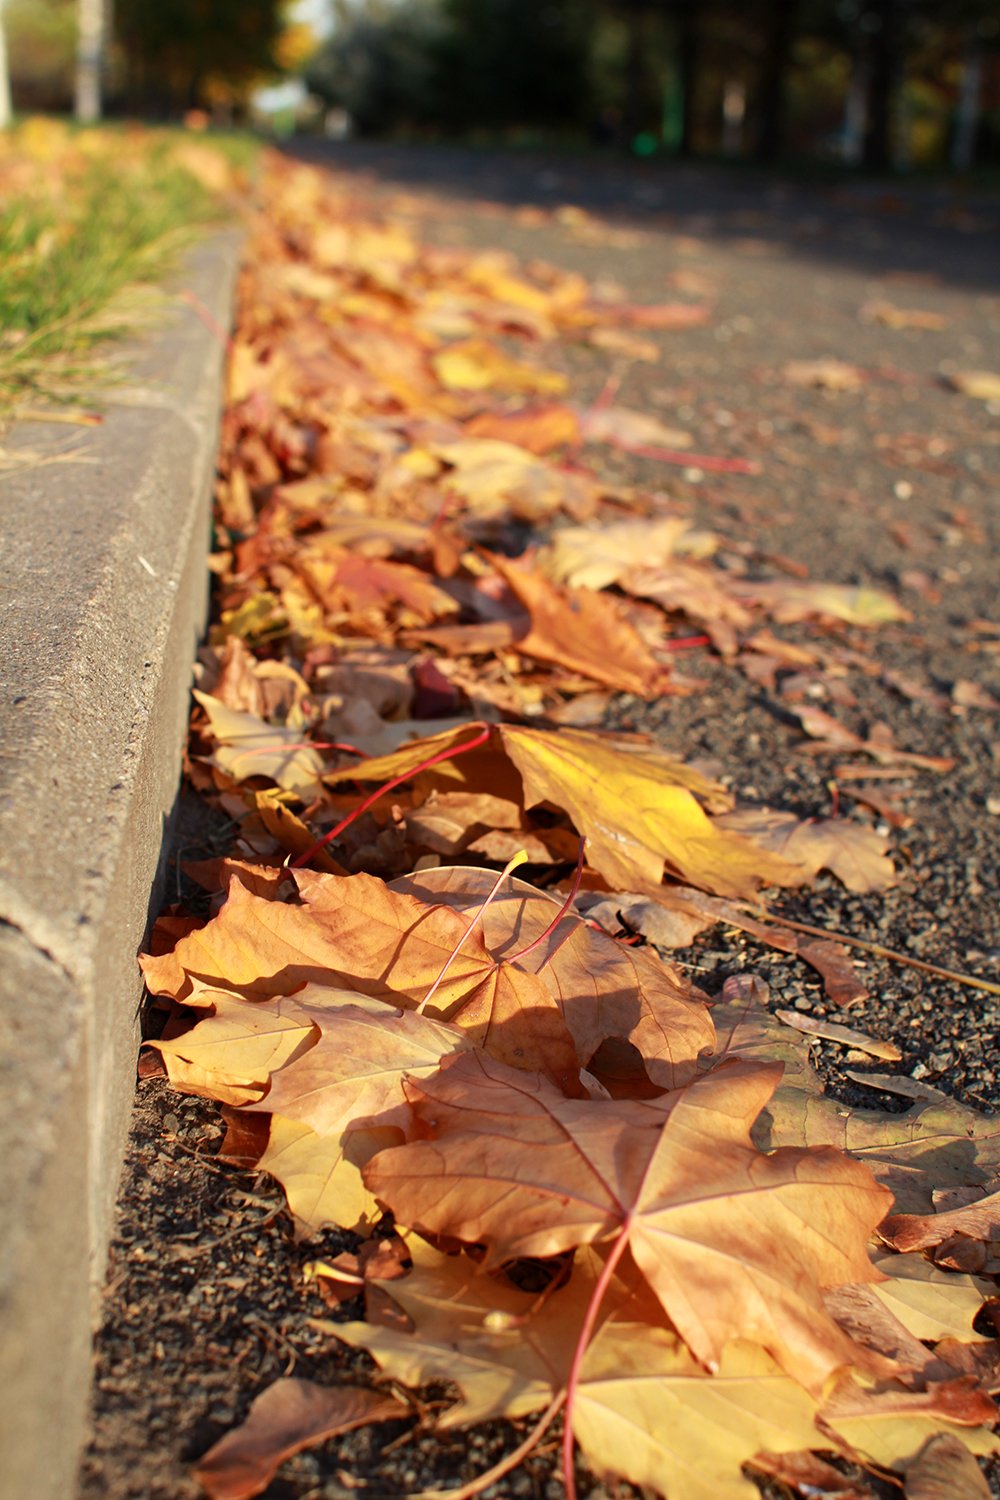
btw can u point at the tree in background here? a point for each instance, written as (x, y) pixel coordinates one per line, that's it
(185, 54)
(456, 64)
(516, 62)
(41, 47)
(381, 65)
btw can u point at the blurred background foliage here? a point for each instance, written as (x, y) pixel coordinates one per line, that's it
(872, 83)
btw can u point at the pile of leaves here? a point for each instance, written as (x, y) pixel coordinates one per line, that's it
(612, 1202)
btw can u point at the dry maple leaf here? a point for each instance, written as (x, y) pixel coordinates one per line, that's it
(287, 1417)
(477, 365)
(944, 1469)
(507, 1350)
(978, 1221)
(584, 631)
(247, 746)
(603, 990)
(789, 599)
(356, 1069)
(934, 1143)
(231, 1053)
(321, 1174)
(586, 558)
(932, 1304)
(639, 809)
(356, 933)
(853, 852)
(634, 808)
(734, 1244)
(889, 1427)
(645, 1410)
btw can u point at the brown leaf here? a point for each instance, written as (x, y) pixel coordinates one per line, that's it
(944, 1469)
(247, 747)
(734, 1244)
(645, 1410)
(289, 1416)
(356, 1069)
(830, 1031)
(979, 1221)
(539, 429)
(352, 931)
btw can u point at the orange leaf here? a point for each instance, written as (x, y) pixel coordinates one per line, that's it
(735, 1244)
(584, 631)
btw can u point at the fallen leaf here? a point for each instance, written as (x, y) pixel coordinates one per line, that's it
(984, 385)
(496, 479)
(646, 1410)
(287, 1417)
(355, 1070)
(944, 1469)
(979, 1221)
(790, 599)
(627, 429)
(321, 1174)
(933, 1304)
(734, 1244)
(636, 811)
(232, 1052)
(845, 1035)
(585, 558)
(890, 1427)
(602, 989)
(853, 852)
(584, 631)
(477, 365)
(506, 1354)
(247, 747)
(539, 429)
(831, 374)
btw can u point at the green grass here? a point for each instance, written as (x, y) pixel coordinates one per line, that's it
(89, 224)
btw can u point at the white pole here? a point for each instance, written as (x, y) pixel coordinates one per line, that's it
(89, 56)
(5, 107)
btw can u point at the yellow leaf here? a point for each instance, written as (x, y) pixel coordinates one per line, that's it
(321, 1174)
(248, 746)
(645, 1410)
(477, 365)
(636, 811)
(983, 384)
(931, 1303)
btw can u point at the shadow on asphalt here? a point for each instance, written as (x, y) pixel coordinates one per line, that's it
(940, 230)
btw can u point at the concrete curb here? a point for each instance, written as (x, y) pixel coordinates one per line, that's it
(105, 597)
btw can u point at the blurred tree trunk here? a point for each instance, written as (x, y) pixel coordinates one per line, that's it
(778, 37)
(687, 67)
(5, 109)
(887, 48)
(91, 22)
(963, 146)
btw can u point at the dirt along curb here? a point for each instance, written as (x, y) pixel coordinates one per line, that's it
(105, 601)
